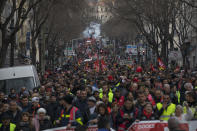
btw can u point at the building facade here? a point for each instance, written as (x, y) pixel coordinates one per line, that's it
(99, 10)
(103, 11)
(193, 39)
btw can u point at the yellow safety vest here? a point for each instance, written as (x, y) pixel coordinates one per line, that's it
(12, 126)
(178, 94)
(193, 109)
(110, 95)
(167, 112)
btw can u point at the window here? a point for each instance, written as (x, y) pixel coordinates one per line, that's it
(17, 83)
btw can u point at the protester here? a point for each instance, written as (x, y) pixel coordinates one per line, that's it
(41, 121)
(24, 104)
(92, 113)
(35, 105)
(82, 104)
(6, 124)
(166, 109)
(69, 115)
(114, 113)
(103, 113)
(183, 116)
(127, 115)
(103, 124)
(173, 124)
(24, 124)
(14, 112)
(148, 113)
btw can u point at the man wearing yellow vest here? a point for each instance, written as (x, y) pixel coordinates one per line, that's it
(190, 99)
(108, 91)
(6, 125)
(166, 109)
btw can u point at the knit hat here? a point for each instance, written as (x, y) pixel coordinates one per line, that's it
(41, 110)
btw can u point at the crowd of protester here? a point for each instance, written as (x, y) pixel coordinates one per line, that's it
(113, 98)
(119, 96)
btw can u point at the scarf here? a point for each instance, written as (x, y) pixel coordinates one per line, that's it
(36, 123)
(146, 114)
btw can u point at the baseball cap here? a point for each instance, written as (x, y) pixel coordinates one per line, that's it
(35, 99)
(92, 99)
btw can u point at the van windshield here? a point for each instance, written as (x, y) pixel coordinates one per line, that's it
(17, 84)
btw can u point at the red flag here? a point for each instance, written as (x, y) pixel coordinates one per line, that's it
(96, 65)
(161, 64)
(87, 67)
(103, 65)
(177, 69)
(79, 62)
(152, 67)
(139, 69)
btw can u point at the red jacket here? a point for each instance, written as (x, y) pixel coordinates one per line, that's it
(120, 101)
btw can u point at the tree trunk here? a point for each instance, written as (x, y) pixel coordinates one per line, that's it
(40, 56)
(4, 48)
(183, 56)
(12, 51)
(33, 52)
(164, 53)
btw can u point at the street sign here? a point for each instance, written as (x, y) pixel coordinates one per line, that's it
(132, 49)
(69, 52)
(126, 62)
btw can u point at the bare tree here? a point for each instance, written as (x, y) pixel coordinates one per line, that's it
(190, 3)
(119, 29)
(154, 19)
(8, 36)
(38, 18)
(183, 28)
(2, 5)
(67, 25)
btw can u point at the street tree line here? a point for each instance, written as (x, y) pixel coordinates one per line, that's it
(59, 19)
(163, 23)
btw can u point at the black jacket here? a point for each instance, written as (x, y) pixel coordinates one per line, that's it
(25, 108)
(133, 113)
(15, 119)
(52, 108)
(24, 126)
(45, 124)
(82, 105)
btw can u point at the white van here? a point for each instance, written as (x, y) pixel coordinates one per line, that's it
(17, 77)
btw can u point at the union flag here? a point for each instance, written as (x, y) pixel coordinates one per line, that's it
(161, 64)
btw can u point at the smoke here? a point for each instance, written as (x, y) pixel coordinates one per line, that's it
(94, 29)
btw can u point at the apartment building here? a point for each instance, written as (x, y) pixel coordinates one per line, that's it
(193, 39)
